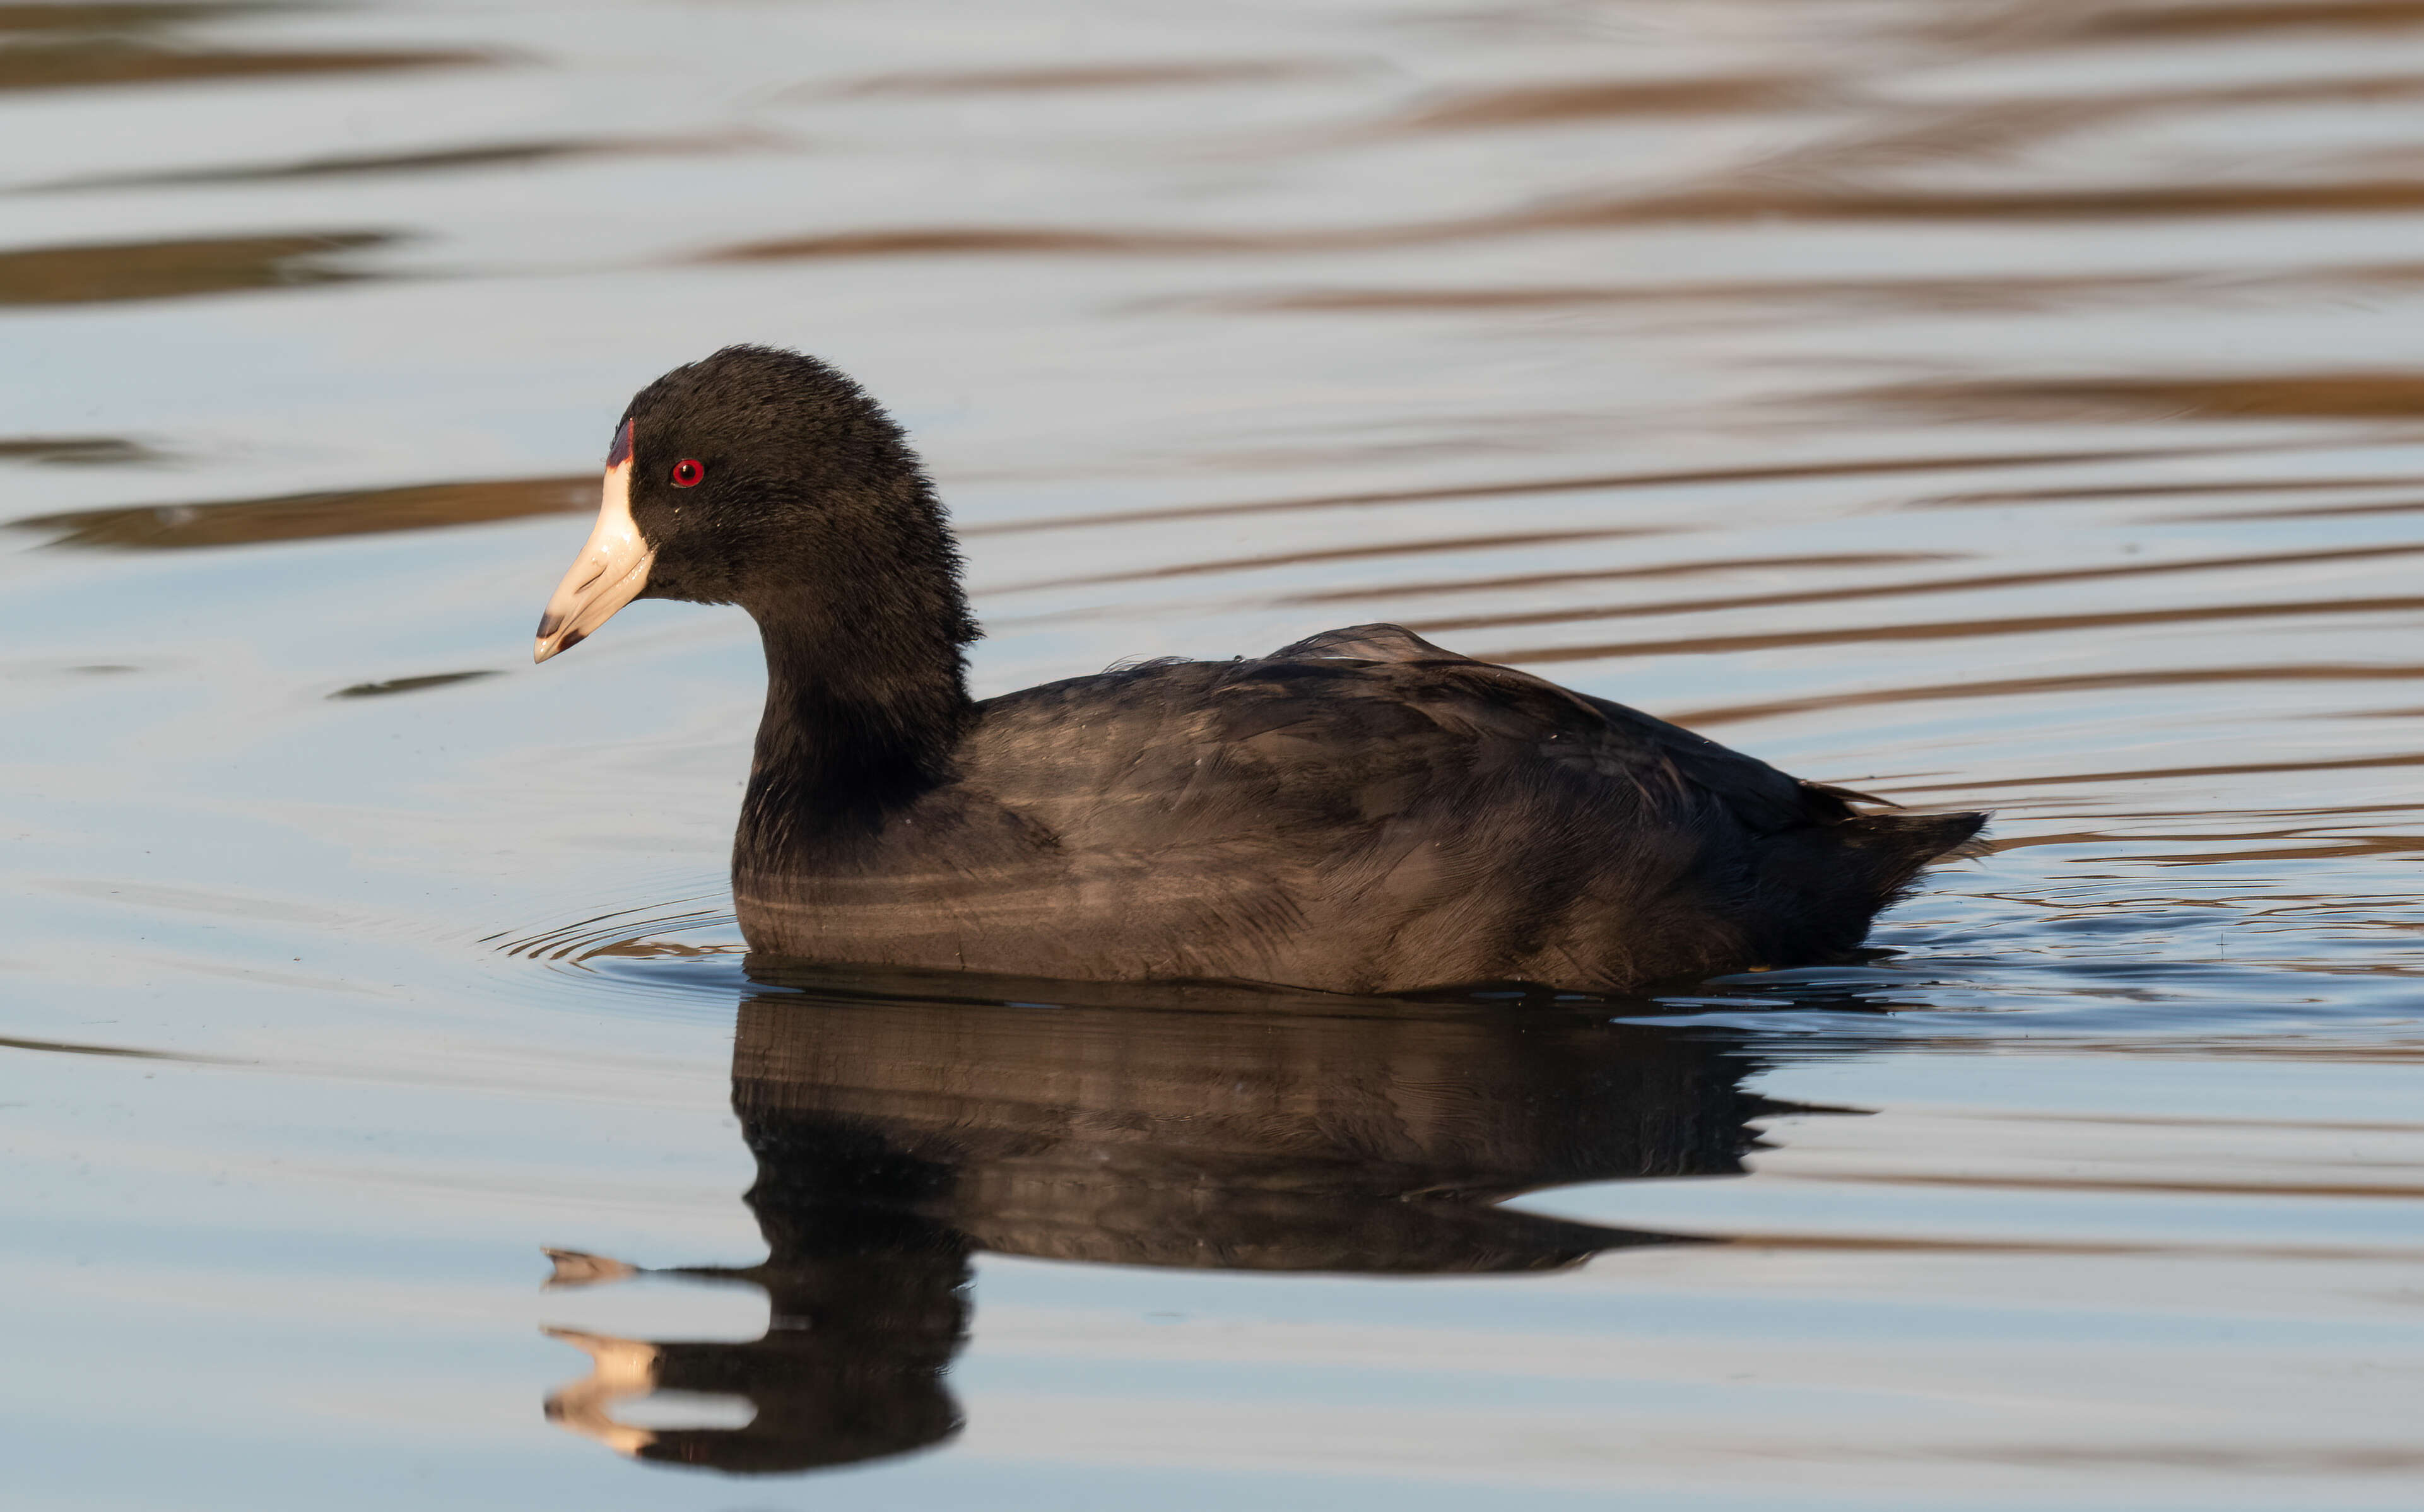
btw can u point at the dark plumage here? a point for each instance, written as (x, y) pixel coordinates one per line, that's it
(901, 1124)
(1360, 811)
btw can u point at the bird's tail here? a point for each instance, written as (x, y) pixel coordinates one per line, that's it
(1892, 849)
(1827, 882)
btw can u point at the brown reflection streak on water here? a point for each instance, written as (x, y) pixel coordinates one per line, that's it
(2377, 196)
(2024, 687)
(70, 16)
(487, 155)
(1103, 76)
(2230, 770)
(77, 450)
(2355, 848)
(2219, 486)
(407, 685)
(66, 1048)
(1670, 569)
(2386, 395)
(2017, 291)
(2331, 15)
(1958, 630)
(2371, 196)
(81, 46)
(1526, 488)
(176, 269)
(1592, 100)
(1936, 585)
(310, 515)
(2404, 507)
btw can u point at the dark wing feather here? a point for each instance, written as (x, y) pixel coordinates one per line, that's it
(1366, 811)
(1764, 799)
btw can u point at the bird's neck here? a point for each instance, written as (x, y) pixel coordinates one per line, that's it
(864, 714)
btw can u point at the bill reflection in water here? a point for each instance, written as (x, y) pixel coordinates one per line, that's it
(898, 1132)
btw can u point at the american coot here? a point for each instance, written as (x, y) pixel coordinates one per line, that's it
(1360, 811)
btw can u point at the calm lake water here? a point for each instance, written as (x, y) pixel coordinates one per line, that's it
(1997, 402)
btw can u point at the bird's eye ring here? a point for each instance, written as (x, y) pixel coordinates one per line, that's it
(689, 472)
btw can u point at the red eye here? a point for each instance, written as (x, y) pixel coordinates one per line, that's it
(689, 472)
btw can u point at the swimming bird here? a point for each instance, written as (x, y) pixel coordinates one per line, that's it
(1360, 811)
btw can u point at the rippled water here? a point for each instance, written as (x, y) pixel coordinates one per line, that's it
(1979, 401)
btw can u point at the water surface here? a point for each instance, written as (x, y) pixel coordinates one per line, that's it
(1983, 402)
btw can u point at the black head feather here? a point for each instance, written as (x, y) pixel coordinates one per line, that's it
(812, 513)
(811, 494)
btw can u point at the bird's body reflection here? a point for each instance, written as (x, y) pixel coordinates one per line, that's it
(897, 1130)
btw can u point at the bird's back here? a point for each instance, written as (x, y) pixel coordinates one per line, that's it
(1361, 811)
